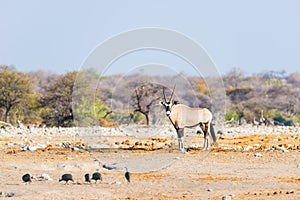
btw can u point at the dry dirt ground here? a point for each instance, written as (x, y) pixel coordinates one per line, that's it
(246, 167)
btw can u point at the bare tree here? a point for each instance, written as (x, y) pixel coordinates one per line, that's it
(233, 78)
(144, 97)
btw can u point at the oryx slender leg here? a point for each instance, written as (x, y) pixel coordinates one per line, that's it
(205, 142)
(206, 139)
(180, 133)
(180, 144)
(202, 127)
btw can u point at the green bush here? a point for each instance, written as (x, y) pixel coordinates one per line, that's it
(231, 114)
(280, 120)
(138, 118)
(296, 119)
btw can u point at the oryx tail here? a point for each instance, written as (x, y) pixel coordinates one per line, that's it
(213, 134)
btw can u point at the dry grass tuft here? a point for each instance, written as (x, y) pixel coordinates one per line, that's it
(290, 179)
(218, 178)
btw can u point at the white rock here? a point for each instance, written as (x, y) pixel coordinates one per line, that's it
(32, 148)
(226, 198)
(210, 190)
(116, 183)
(35, 147)
(258, 155)
(45, 177)
(248, 148)
(78, 148)
(285, 151)
(237, 147)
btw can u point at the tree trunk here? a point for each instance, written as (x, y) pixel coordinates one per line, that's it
(6, 114)
(147, 118)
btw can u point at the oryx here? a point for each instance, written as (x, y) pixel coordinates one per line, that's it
(182, 116)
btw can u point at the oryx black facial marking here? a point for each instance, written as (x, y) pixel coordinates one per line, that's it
(168, 107)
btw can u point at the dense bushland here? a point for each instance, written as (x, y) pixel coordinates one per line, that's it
(45, 98)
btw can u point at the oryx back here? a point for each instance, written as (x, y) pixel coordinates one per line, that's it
(184, 116)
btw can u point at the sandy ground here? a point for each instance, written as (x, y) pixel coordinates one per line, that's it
(244, 167)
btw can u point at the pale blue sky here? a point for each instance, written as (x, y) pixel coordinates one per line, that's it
(57, 35)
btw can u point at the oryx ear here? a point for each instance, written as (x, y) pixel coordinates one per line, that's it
(162, 103)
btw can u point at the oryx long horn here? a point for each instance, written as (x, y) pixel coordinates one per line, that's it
(172, 93)
(164, 94)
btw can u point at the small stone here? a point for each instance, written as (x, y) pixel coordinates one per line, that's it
(258, 155)
(109, 167)
(10, 194)
(248, 148)
(32, 148)
(77, 148)
(210, 190)
(226, 198)
(45, 177)
(116, 183)
(285, 150)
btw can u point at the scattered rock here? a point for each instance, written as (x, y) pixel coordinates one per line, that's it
(9, 194)
(12, 151)
(78, 148)
(210, 190)
(226, 198)
(248, 148)
(29, 147)
(66, 145)
(44, 177)
(258, 155)
(116, 183)
(109, 167)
